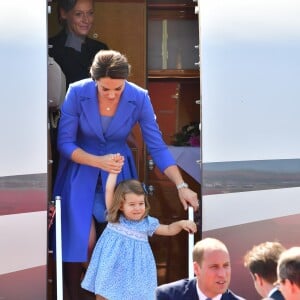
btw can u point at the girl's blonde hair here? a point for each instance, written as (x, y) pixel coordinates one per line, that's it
(123, 188)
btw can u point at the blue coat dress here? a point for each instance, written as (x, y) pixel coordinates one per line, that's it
(80, 126)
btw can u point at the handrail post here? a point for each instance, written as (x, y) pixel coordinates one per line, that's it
(59, 279)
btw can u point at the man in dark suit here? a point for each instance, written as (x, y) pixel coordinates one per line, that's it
(261, 261)
(213, 273)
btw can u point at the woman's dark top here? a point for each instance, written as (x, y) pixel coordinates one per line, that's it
(74, 64)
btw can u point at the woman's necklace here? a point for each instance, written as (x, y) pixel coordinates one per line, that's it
(109, 105)
(108, 108)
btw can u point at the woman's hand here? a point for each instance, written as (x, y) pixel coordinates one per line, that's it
(112, 163)
(188, 197)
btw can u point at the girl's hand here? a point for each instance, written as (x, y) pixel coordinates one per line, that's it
(189, 226)
(118, 157)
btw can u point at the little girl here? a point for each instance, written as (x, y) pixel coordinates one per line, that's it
(122, 265)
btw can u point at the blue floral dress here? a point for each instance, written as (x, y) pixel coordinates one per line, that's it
(122, 265)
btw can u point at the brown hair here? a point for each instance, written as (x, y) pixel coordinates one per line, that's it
(123, 188)
(262, 260)
(289, 266)
(110, 63)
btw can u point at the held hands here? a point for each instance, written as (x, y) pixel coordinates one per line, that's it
(188, 226)
(112, 163)
(115, 162)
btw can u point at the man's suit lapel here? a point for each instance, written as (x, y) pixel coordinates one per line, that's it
(228, 295)
(225, 297)
(277, 295)
(191, 290)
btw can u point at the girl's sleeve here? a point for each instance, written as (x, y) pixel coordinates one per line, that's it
(153, 224)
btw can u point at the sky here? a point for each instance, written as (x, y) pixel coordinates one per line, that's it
(23, 84)
(250, 71)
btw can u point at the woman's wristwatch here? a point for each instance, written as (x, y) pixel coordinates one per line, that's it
(182, 185)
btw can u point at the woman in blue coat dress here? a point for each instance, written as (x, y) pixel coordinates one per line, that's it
(97, 117)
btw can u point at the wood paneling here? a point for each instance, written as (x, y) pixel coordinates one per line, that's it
(174, 104)
(123, 26)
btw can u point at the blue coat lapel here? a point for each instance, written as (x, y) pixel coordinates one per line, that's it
(124, 113)
(89, 102)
